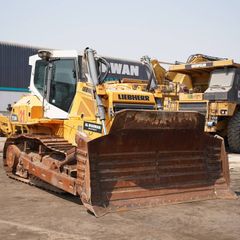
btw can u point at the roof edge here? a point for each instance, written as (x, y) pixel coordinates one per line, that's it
(20, 45)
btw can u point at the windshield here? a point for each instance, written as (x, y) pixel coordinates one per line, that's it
(223, 78)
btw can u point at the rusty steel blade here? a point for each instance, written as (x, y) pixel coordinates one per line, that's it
(151, 158)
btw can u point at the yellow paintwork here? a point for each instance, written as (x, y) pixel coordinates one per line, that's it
(159, 71)
(199, 74)
(28, 109)
(214, 109)
(203, 65)
(183, 79)
(100, 90)
(190, 97)
(222, 108)
(27, 117)
(27, 113)
(84, 105)
(195, 76)
(198, 58)
(170, 104)
(5, 125)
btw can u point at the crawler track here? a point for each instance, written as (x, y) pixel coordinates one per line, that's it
(47, 144)
(36, 182)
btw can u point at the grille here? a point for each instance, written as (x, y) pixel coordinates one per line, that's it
(119, 107)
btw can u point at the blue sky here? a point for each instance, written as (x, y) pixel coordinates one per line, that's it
(168, 30)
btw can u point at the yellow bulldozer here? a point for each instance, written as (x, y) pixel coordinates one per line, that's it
(210, 86)
(109, 142)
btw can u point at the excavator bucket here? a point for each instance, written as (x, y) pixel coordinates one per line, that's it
(151, 158)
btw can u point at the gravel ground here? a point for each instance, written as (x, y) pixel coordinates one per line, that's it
(29, 213)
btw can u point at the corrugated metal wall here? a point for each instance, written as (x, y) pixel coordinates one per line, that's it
(14, 68)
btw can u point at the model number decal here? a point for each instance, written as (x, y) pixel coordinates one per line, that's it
(93, 127)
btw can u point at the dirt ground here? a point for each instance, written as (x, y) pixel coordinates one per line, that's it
(29, 213)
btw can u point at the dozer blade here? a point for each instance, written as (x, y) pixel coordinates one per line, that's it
(151, 158)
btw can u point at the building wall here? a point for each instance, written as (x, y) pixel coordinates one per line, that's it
(14, 71)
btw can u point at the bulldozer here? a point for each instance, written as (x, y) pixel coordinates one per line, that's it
(109, 142)
(211, 87)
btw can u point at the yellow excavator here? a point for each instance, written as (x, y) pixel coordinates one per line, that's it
(110, 142)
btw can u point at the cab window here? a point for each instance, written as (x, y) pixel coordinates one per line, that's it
(40, 71)
(63, 83)
(60, 89)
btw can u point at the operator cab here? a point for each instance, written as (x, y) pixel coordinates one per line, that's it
(60, 89)
(54, 81)
(224, 85)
